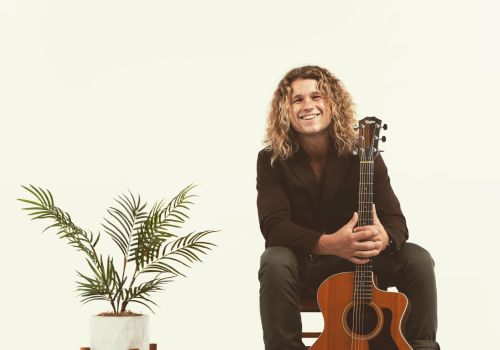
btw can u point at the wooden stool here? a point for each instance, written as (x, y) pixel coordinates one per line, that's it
(309, 303)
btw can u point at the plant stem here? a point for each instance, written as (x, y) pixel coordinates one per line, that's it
(124, 305)
(113, 305)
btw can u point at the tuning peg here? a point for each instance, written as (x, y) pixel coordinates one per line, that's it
(383, 138)
(355, 151)
(384, 126)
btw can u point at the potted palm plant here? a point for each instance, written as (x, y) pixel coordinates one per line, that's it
(151, 256)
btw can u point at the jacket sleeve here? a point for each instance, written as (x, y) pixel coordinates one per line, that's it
(273, 208)
(387, 205)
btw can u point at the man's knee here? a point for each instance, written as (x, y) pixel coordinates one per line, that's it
(277, 263)
(416, 258)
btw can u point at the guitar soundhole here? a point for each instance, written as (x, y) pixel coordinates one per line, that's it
(362, 319)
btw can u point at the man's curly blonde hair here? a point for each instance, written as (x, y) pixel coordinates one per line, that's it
(282, 140)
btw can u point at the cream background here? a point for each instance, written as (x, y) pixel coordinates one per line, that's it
(98, 97)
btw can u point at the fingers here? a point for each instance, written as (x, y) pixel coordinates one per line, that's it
(367, 245)
(366, 253)
(376, 221)
(352, 223)
(359, 261)
(366, 233)
(363, 256)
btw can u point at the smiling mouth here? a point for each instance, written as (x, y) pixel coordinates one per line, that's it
(309, 116)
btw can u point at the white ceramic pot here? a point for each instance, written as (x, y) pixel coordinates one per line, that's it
(119, 333)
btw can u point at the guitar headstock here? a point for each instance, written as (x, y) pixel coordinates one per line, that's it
(368, 137)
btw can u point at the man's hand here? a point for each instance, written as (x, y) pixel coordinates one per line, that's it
(356, 244)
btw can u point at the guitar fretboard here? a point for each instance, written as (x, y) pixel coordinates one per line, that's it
(363, 273)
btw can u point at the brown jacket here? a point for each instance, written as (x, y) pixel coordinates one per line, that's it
(294, 210)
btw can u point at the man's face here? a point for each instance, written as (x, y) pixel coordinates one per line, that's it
(310, 112)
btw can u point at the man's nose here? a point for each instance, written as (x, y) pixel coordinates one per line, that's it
(308, 104)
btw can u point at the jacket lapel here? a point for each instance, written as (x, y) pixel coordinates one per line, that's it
(304, 172)
(335, 173)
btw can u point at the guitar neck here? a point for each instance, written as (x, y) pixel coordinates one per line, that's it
(364, 273)
(367, 148)
(365, 193)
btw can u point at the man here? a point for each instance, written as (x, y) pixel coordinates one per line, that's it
(307, 183)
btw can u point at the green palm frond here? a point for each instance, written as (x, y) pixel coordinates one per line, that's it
(43, 208)
(102, 285)
(184, 251)
(140, 294)
(129, 216)
(148, 239)
(174, 214)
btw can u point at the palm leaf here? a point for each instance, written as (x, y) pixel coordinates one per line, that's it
(149, 237)
(183, 251)
(128, 216)
(103, 285)
(140, 293)
(43, 208)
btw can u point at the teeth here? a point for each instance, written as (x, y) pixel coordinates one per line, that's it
(309, 116)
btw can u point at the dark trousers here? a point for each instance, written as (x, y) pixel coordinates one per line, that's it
(282, 277)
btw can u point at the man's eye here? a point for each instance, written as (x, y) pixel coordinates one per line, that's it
(295, 101)
(316, 97)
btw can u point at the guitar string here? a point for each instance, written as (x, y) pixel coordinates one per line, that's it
(354, 310)
(369, 195)
(358, 286)
(367, 268)
(356, 273)
(365, 276)
(368, 273)
(359, 268)
(363, 267)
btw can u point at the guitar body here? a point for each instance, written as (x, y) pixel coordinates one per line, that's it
(371, 325)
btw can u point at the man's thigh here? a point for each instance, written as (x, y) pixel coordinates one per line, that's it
(313, 273)
(390, 268)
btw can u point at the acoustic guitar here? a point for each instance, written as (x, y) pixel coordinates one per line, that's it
(357, 314)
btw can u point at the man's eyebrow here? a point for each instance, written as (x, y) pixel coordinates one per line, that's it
(311, 93)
